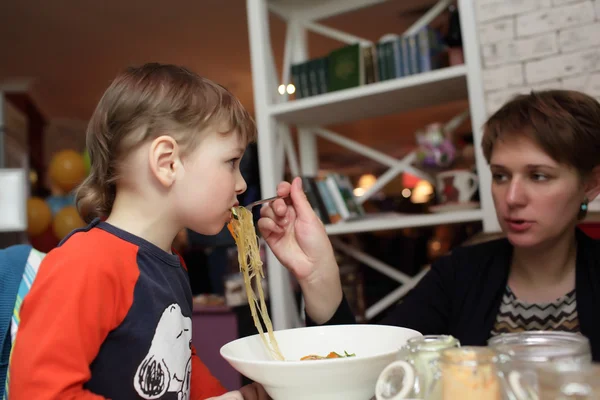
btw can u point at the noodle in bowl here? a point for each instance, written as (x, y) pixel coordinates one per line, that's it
(348, 378)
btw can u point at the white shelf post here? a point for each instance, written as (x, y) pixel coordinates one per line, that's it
(472, 56)
(283, 312)
(307, 143)
(275, 114)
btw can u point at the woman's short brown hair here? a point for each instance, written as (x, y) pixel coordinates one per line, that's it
(141, 104)
(564, 123)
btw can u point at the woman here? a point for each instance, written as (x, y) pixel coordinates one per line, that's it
(544, 154)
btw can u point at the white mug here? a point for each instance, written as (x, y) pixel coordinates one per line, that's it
(463, 183)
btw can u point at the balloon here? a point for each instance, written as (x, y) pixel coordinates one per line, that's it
(45, 241)
(65, 221)
(57, 203)
(86, 161)
(39, 216)
(67, 169)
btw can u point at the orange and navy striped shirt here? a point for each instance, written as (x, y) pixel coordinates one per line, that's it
(108, 317)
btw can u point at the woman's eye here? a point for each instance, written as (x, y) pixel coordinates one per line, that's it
(499, 177)
(539, 177)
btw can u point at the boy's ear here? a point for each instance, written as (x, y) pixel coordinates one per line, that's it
(164, 159)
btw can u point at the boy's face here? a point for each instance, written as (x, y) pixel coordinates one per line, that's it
(211, 182)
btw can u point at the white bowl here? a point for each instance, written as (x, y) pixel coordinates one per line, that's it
(351, 378)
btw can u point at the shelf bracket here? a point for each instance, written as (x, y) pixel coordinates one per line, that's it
(335, 34)
(428, 17)
(394, 296)
(396, 166)
(407, 281)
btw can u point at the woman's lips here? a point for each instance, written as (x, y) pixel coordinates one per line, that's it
(518, 225)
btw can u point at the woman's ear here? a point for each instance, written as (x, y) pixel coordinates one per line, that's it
(164, 159)
(592, 184)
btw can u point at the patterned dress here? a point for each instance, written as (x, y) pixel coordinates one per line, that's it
(518, 316)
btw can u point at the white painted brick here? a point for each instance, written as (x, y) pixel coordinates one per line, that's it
(597, 7)
(557, 3)
(551, 84)
(509, 51)
(562, 65)
(555, 18)
(487, 10)
(495, 100)
(588, 83)
(495, 54)
(503, 77)
(575, 83)
(496, 31)
(536, 46)
(579, 38)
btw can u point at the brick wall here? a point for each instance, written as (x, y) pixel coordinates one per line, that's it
(538, 44)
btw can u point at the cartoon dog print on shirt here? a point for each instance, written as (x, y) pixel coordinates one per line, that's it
(168, 366)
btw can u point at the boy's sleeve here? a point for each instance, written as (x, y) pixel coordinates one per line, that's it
(204, 384)
(70, 309)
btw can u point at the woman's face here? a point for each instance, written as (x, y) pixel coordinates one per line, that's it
(537, 199)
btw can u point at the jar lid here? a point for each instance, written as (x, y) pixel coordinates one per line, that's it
(541, 346)
(432, 343)
(468, 355)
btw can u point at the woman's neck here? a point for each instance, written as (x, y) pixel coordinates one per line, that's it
(545, 272)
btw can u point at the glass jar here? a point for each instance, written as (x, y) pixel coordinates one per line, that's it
(412, 375)
(521, 354)
(468, 373)
(536, 347)
(569, 381)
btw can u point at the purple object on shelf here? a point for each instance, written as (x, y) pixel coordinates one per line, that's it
(213, 327)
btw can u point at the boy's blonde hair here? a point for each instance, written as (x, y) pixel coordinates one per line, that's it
(141, 104)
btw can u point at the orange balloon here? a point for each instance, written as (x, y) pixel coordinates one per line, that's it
(65, 221)
(67, 169)
(39, 216)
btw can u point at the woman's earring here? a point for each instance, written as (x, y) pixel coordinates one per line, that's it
(583, 208)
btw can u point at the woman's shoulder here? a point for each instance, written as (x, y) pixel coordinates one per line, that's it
(477, 256)
(483, 246)
(588, 248)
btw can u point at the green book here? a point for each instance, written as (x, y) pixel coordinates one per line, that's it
(346, 67)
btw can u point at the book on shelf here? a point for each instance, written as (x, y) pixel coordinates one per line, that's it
(331, 197)
(394, 56)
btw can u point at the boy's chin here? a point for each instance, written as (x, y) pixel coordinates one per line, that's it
(209, 230)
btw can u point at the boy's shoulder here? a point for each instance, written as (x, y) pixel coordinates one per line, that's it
(95, 251)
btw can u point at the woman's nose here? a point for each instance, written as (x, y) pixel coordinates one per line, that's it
(515, 196)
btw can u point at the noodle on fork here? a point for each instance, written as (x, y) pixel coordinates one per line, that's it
(242, 229)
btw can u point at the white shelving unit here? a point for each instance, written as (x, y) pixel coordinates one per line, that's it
(380, 98)
(387, 221)
(275, 114)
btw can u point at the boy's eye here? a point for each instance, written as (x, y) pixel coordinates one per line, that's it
(233, 161)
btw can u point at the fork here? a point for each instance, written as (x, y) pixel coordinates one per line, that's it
(256, 203)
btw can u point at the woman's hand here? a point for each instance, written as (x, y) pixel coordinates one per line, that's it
(298, 239)
(253, 391)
